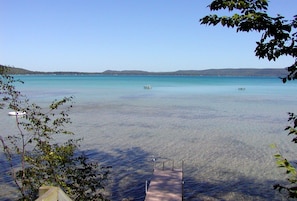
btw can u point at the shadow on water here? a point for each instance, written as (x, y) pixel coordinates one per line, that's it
(8, 189)
(130, 169)
(239, 188)
(133, 166)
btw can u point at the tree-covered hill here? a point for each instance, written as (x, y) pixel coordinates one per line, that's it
(13, 70)
(209, 72)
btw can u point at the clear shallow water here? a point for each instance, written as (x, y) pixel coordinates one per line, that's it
(222, 133)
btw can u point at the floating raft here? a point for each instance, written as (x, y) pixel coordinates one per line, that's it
(165, 185)
(147, 87)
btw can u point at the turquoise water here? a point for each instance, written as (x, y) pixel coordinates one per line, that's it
(221, 133)
(102, 85)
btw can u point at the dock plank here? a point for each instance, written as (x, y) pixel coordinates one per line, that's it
(166, 185)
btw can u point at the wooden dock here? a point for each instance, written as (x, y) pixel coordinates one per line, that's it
(165, 185)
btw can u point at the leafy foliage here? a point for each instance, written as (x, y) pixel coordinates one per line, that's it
(43, 161)
(279, 36)
(282, 162)
(8, 93)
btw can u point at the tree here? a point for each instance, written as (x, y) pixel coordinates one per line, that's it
(278, 38)
(36, 159)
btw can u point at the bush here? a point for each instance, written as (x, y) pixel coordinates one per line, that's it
(41, 160)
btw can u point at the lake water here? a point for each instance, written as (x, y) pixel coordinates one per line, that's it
(220, 132)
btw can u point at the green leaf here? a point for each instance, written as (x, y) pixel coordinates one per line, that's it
(273, 146)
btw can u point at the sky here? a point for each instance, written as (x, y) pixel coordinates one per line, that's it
(149, 35)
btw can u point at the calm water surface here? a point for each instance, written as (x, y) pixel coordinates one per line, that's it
(221, 133)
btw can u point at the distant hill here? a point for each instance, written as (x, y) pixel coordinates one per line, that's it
(272, 72)
(13, 70)
(210, 72)
(239, 72)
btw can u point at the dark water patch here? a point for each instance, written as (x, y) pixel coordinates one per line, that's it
(192, 140)
(130, 169)
(137, 96)
(136, 125)
(7, 185)
(236, 188)
(140, 135)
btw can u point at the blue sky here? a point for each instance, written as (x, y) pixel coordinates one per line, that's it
(99, 35)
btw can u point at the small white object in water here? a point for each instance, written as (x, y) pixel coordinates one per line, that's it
(16, 113)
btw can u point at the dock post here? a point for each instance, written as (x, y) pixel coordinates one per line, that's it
(183, 182)
(182, 165)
